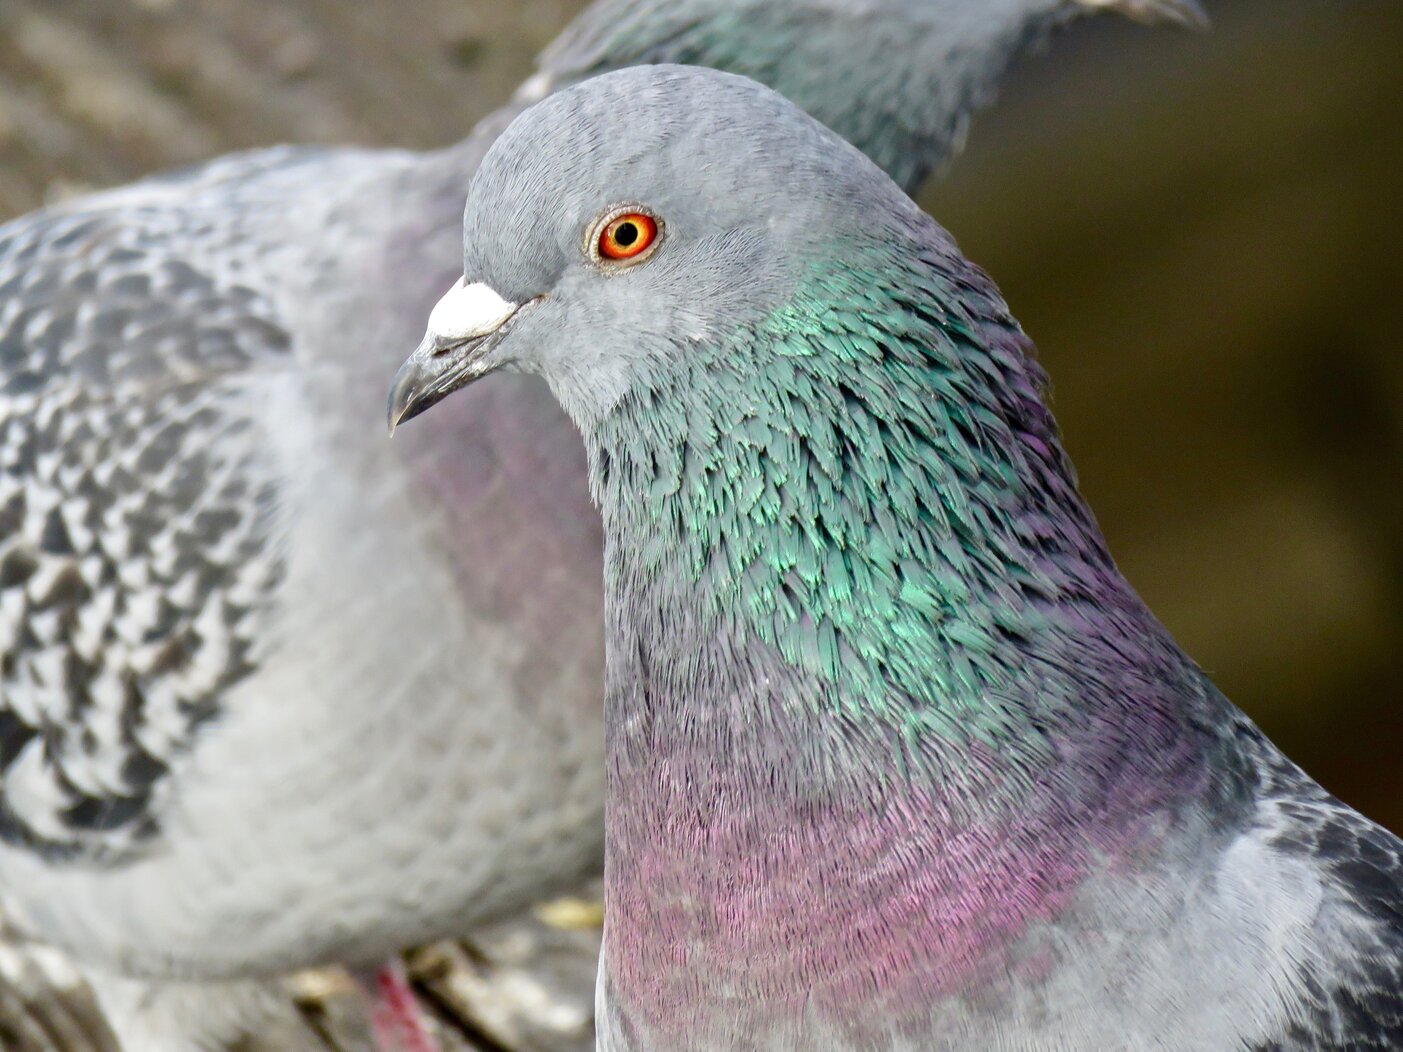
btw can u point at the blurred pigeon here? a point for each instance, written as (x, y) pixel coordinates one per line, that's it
(898, 78)
(897, 759)
(273, 692)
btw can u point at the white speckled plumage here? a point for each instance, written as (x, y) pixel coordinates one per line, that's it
(325, 785)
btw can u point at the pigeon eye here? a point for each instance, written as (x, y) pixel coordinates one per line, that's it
(625, 235)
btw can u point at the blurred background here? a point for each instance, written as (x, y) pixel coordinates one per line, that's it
(1201, 232)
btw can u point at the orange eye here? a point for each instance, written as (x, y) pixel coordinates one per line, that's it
(627, 236)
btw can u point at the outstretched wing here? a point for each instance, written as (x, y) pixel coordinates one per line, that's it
(136, 504)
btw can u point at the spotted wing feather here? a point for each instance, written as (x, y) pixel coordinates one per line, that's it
(135, 513)
(1351, 995)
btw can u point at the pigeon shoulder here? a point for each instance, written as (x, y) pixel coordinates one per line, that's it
(1349, 980)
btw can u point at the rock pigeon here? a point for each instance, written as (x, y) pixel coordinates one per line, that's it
(274, 693)
(897, 759)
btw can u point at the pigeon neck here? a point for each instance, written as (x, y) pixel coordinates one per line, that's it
(871, 669)
(912, 72)
(866, 494)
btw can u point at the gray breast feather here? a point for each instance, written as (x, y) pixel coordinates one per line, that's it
(135, 513)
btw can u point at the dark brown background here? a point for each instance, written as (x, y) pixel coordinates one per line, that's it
(1202, 233)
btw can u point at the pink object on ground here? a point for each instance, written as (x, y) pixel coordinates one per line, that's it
(395, 1015)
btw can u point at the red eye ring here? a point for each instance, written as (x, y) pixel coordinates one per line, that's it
(627, 236)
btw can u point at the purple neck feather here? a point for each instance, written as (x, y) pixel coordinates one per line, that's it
(732, 888)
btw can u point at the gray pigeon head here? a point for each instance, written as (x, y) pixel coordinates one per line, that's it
(737, 189)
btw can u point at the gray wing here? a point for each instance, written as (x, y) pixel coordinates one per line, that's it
(1354, 1002)
(135, 510)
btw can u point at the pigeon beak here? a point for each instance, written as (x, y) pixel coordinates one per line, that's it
(1187, 13)
(452, 353)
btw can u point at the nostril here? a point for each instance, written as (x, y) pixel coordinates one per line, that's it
(442, 345)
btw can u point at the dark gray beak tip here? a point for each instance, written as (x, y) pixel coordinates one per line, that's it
(407, 394)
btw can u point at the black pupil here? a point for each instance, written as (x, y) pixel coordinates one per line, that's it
(626, 234)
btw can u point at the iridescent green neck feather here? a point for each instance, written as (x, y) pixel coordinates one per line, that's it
(870, 483)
